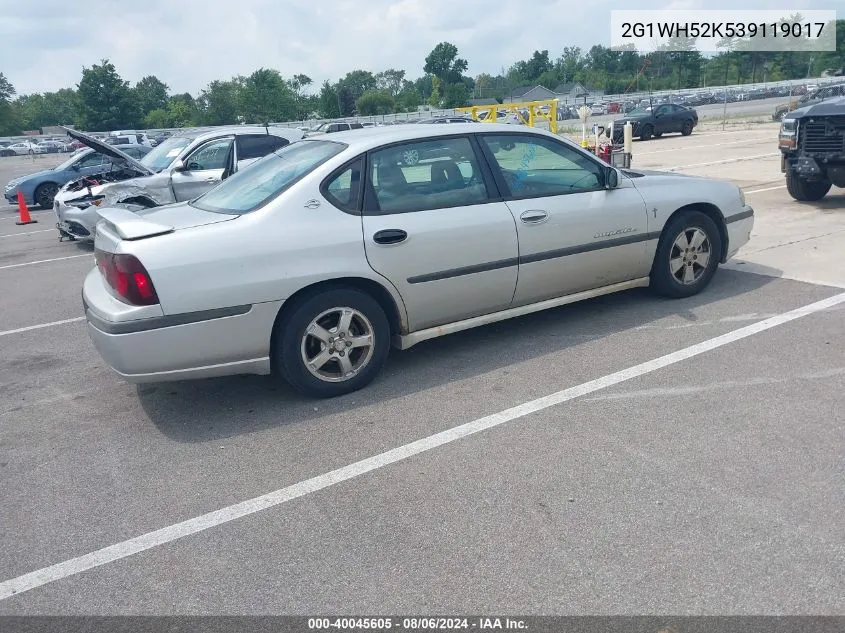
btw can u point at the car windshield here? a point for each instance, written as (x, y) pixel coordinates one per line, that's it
(266, 178)
(70, 161)
(166, 152)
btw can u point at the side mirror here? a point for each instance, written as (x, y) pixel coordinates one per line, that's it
(611, 178)
(75, 167)
(178, 165)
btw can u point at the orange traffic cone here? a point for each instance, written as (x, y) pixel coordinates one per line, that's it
(25, 217)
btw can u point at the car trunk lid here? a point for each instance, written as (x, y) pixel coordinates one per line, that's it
(137, 225)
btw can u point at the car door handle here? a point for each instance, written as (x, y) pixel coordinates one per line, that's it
(534, 216)
(390, 236)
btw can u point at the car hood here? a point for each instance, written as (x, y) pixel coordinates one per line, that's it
(108, 150)
(39, 174)
(828, 107)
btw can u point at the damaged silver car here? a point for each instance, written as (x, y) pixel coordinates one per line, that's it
(181, 168)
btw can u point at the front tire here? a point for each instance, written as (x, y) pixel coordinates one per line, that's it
(45, 193)
(332, 343)
(687, 255)
(805, 190)
(687, 129)
(646, 133)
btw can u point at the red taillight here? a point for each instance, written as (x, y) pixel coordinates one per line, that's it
(127, 277)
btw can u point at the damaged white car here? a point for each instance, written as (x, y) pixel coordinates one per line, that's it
(181, 168)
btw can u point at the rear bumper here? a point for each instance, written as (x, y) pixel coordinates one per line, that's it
(220, 342)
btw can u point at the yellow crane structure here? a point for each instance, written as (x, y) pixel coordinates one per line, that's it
(537, 111)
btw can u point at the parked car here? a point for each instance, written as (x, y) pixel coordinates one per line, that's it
(331, 127)
(129, 138)
(316, 259)
(59, 146)
(22, 149)
(181, 168)
(812, 145)
(41, 187)
(662, 119)
(597, 109)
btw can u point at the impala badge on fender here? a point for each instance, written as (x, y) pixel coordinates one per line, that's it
(629, 229)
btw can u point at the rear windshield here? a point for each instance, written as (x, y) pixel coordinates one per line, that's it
(266, 178)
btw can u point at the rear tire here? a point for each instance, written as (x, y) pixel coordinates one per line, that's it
(805, 190)
(687, 255)
(315, 330)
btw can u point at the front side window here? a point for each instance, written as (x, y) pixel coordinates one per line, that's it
(426, 175)
(534, 166)
(268, 177)
(212, 155)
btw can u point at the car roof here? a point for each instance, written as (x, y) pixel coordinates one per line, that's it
(214, 132)
(370, 137)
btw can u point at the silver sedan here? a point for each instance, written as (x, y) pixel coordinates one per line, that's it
(317, 259)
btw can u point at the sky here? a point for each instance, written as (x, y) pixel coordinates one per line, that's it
(44, 44)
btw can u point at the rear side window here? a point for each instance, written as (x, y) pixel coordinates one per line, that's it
(422, 175)
(258, 145)
(342, 188)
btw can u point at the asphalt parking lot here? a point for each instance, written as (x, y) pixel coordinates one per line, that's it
(625, 455)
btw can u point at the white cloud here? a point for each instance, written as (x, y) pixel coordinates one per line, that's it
(45, 43)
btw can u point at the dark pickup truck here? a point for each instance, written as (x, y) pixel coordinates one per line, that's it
(812, 145)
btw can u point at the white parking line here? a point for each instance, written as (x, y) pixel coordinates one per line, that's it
(44, 261)
(17, 217)
(698, 147)
(40, 325)
(723, 161)
(27, 233)
(766, 189)
(212, 519)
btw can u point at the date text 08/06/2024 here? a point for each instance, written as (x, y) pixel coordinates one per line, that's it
(415, 624)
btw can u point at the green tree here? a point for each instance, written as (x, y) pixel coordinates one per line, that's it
(435, 98)
(375, 102)
(218, 103)
(8, 123)
(409, 98)
(151, 93)
(359, 82)
(266, 97)
(328, 106)
(105, 100)
(455, 96)
(443, 62)
(157, 119)
(390, 81)
(345, 100)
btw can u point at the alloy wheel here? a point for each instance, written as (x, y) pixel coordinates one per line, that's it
(690, 255)
(337, 344)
